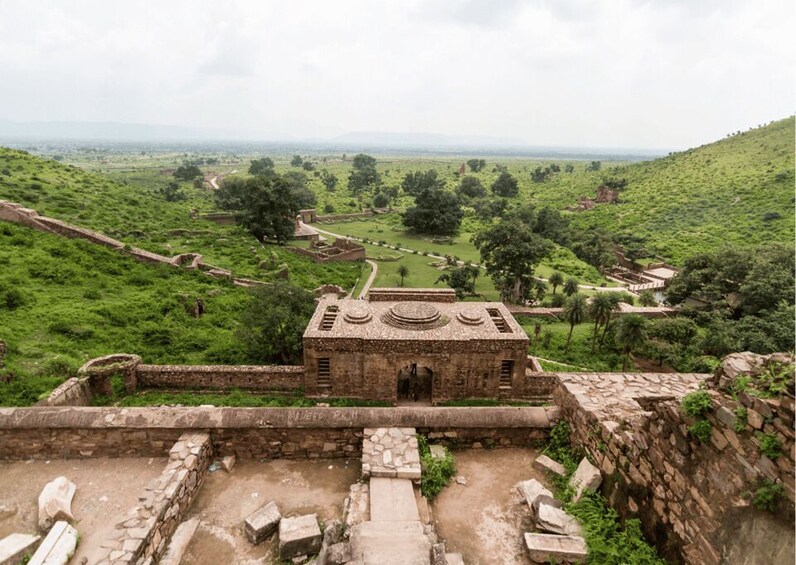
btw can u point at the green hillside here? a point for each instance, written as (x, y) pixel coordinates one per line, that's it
(738, 191)
(138, 214)
(64, 301)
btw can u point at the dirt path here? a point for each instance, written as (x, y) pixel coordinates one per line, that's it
(225, 500)
(485, 520)
(374, 270)
(106, 490)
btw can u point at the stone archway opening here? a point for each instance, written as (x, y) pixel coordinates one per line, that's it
(415, 385)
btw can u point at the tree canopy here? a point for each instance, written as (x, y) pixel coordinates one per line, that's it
(436, 212)
(363, 176)
(416, 182)
(476, 164)
(187, 172)
(471, 187)
(262, 166)
(505, 185)
(511, 251)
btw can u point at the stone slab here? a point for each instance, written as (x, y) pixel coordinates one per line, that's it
(546, 465)
(392, 500)
(262, 523)
(531, 490)
(548, 548)
(357, 505)
(393, 543)
(58, 547)
(454, 558)
(179, 542)
(437, 451)
(15, 546)
(55, 502)
(585, 477)
(299, 535)
(556, 521)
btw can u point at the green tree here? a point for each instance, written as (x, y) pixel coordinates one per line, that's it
(296, 161)
(403, 272)
(594, 166)
(363, 175)
(461, 280)
(381, 200)
(505, 185)
(273, 323)
(329, 180)
(571, 286)
(510, 251)
(600, 308)
(266, 206)
(308, 166)
(436, 212)
(476, 165)
(575, 312)
(299, 182)
(262, 166)
(615, 299)
(172, 192)
(556, 280)
(416, 182)
(471, 187)
(631, 333)
(187, 172)
(647, 298)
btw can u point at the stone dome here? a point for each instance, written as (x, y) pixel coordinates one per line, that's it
(471, 317)
(359, 314)
(414, 316)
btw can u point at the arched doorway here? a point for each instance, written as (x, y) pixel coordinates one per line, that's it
(415, 385)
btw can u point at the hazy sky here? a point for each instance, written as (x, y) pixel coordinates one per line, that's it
(615, 73)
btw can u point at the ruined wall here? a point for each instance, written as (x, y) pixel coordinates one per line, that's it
(72, 392)
(147, 528)
(44, 433)
(693, 499)
(278, 379)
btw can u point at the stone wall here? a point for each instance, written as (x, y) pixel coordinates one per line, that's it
(142, 536)
(447, 295)
(693, 499)
(279, 379)
(44, 433)
(72, 392)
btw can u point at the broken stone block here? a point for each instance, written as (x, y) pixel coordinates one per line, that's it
(438, 554)
(544, 499)
(547, 465)
(179, 542)
(262, 523)
(338, 554)
(228, 462)
(357, 505)
(531, 490)
(13, 548)
(57, 547)
(333, 532)
(55, 502)
(454, 558)
(437, 451)
(299, 536)
(586, 477)
(556, 521)
(548, 548)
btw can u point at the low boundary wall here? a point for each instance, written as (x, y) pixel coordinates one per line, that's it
(278, 379)
(64, 432)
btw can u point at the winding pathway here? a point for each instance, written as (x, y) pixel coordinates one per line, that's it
(374, 269)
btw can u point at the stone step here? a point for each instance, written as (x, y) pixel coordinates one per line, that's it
(396, 543)
(392, 500)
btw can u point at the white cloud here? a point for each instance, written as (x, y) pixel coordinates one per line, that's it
(617, 73)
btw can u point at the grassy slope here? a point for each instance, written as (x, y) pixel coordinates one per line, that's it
(133, 211)
(81, 301)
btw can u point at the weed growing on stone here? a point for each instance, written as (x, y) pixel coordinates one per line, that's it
(770, 446)
(739, 424)
(697, 403)
(767, 496)
(701, 430)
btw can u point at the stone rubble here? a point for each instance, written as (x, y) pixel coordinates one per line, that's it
(546, 465)
(262, 523)
(15, 546)
(58, 547)
(547, 548)
(299, 535)
(55, 502)
(531, 490)
(179, 542)
(586, 477)
(556, 521)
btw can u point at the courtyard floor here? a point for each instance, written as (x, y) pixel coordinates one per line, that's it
(485, 519)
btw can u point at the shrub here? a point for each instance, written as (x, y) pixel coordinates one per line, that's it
(697, 403)
(739, 424)
(437, 473)
(701, 430)
(11, 298)
(770, 446)
(767, 496)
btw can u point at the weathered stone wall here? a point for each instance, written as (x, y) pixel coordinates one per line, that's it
(43, 433)
(319, 256)
(408, 294)
(72, 392)
(142, 536)
(692, 498)
(277, 379)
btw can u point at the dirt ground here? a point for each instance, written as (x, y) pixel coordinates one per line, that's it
(106, 490)
(225, 500)
(485, 520)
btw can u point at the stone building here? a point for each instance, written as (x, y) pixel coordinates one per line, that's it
(413, 346)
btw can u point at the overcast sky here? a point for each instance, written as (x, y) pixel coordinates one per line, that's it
(616, 73)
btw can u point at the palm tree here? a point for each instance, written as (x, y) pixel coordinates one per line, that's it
(647, 298)
(616, 300)
(631, 333)
(403, 272)
(571, 286)
(575, 312)
(600, 308)
(556, 280)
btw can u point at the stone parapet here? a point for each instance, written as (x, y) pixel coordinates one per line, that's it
(280, 379)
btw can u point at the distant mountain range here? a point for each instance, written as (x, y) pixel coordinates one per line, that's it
(14, 133)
